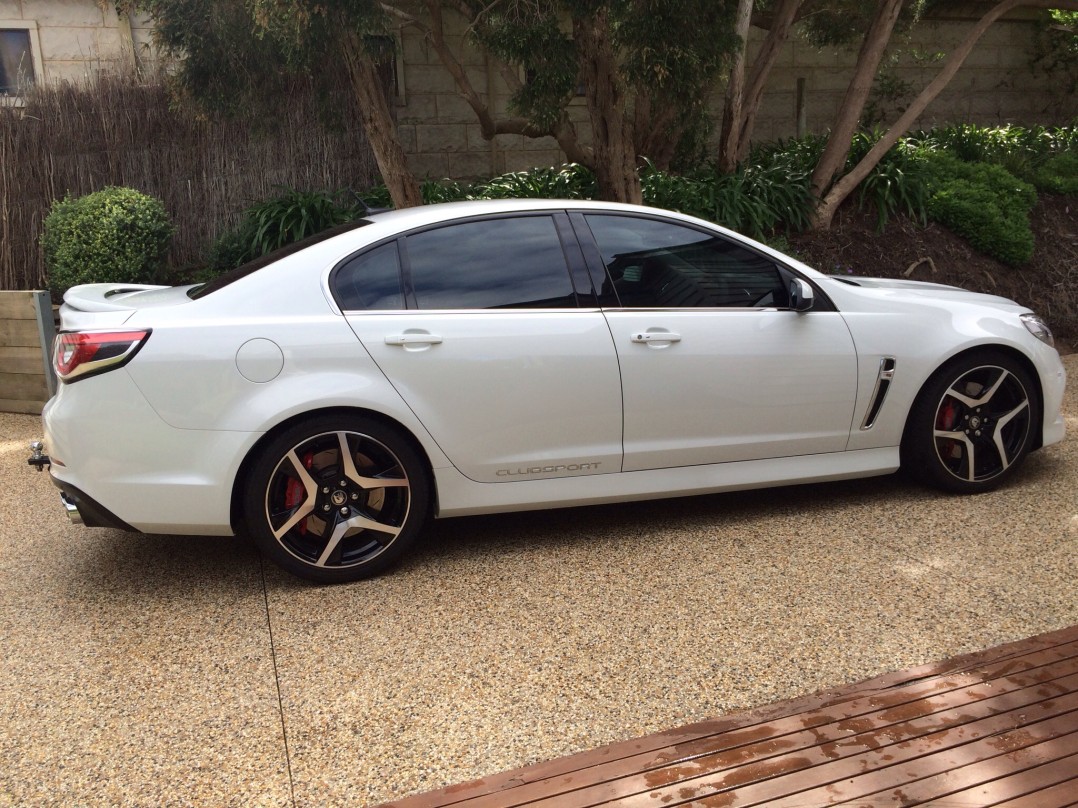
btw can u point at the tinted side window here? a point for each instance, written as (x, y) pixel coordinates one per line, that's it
(664, 265)
(497, 263)
(370, 280)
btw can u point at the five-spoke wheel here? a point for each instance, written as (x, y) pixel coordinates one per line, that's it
(336, 498)
(973, 423)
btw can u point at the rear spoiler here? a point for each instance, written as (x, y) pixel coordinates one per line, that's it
(101, 297)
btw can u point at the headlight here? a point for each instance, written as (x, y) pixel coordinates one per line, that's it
(1038, 328)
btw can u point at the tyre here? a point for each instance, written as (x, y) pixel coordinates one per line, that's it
(972, 424)
(336, 498)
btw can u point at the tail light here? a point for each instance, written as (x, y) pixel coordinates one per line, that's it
(80, 354)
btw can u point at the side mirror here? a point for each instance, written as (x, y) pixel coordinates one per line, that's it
(801, 295)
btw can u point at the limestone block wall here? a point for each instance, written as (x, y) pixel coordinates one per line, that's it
(73, 39)
(438, 127)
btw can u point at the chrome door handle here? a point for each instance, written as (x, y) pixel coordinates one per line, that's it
(413, 339)
(656, 336)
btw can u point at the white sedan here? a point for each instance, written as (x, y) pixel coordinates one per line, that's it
(495, 356)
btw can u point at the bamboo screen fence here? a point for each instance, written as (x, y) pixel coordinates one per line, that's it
(121, 130)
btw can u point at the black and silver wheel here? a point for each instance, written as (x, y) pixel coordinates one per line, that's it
(337, 498)
(973, 424)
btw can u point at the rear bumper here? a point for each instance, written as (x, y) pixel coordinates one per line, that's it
(121, 466)
(84, 510)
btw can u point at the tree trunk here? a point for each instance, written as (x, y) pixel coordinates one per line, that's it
(729, 140)
(829, 205)
(849, 113)
(612, 131)
(380, 128)
(777, 35)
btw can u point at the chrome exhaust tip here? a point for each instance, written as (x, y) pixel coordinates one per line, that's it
(72, 509)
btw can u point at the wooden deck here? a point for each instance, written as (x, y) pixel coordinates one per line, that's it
(998, 727)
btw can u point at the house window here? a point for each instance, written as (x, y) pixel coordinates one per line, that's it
(20, 60)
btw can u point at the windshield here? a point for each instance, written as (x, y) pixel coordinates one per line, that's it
(253, 266)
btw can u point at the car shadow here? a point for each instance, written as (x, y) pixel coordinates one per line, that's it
(508, 533)
(161, 568)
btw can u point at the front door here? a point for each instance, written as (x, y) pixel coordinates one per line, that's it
(715, 367)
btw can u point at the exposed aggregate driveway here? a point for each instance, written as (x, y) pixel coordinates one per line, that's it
(149, 670)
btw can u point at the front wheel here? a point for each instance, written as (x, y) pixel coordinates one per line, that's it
(336, 498)
(972, 424)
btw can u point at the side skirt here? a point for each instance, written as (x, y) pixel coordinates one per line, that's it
(459, 496)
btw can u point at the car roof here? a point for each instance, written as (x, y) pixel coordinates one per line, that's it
(407, 218)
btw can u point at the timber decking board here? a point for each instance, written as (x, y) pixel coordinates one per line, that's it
(994, 726)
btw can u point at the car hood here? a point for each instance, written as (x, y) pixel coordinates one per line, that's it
(105, 305)
(924, 290)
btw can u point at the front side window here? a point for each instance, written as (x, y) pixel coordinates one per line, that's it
(655, 264)
(489, 264)
(16, 61)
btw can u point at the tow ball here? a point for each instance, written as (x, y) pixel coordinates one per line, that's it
(38, 459)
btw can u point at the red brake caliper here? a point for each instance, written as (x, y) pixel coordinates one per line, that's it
(945, 421)
(295, 493)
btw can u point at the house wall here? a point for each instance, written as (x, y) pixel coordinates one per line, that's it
(78, 38)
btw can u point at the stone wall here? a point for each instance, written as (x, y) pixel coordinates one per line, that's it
(73, 39)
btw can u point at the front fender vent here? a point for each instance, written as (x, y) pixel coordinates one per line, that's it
(883, 383)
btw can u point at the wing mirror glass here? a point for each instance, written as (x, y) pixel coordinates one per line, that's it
(801, 295)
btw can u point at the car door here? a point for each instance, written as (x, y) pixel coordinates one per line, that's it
(715, 366)
(510, 370)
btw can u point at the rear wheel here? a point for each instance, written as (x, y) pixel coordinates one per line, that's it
(972, 424)
(337, 498)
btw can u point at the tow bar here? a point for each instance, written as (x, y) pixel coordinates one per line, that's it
(38, 459)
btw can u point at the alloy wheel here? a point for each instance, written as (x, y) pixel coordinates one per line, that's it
(337, 500)
(982, 423)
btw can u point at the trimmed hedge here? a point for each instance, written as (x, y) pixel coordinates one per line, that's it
(115, 235)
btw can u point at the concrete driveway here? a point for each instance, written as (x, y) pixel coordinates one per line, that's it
(149, 670)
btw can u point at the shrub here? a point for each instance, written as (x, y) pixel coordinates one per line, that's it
(897, 184)
(115, 235)
(1058, 175)
(569, 181)
(281, 220)
(983, 203)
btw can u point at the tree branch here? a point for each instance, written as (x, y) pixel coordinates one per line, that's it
(845, 186)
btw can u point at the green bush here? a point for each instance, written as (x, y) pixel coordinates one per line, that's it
(115, 235)
(898, 183)
(569, 181)
(280, 220)
(1058, 175)
(983, 203)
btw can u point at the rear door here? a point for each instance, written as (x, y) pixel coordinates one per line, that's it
(505, 359)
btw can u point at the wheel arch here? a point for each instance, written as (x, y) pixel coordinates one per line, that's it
(999, 348)
(236, 502)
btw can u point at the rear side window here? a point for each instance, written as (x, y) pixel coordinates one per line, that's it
(495, 263)
(370, 281)
(654, 264)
